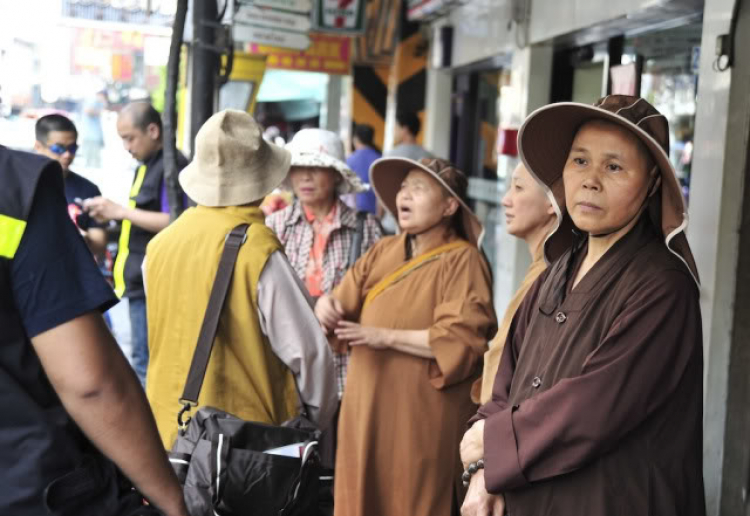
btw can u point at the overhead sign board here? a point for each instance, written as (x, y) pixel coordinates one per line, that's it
(296, 6)
(272, 18)
(342, 16)
(271, 37)
(327, 54)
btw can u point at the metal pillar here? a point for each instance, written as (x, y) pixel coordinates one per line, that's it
(205, 63)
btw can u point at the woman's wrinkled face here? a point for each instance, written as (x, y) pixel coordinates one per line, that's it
(423, 203)
(606, 178)
(527, 208)
(314, 185)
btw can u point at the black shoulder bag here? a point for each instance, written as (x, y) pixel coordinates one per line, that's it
(229, 466)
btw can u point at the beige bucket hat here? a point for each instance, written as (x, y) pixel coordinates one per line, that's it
(387, 174)
(544, 142)
(233, 165)
(324, 149)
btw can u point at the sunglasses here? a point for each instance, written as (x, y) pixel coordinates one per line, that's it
(62, 149)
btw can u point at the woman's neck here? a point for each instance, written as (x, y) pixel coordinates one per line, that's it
(321, 209)
(430, 239)
(598, 247)
(535, 240)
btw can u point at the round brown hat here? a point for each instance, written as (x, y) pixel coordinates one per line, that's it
(544, 142)
(387, 174)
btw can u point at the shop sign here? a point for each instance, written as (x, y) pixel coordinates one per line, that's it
(272, 18)
(271, 37)
(340, 16)
(296, 6)
(326, 54)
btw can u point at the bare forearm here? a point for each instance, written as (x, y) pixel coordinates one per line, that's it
(412, 342)
(152, 221)
(102, 394)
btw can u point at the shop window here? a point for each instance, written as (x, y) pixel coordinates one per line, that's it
(669, 81)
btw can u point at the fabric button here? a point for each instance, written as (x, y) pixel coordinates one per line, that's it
(536, 382)
(561, 317)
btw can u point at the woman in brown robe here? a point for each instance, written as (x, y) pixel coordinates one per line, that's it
(417, 312)
(597, 406)
(530, 216)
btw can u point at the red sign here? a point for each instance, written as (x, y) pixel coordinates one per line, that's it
(326, 54)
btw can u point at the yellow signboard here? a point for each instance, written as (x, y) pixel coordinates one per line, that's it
(327, 54)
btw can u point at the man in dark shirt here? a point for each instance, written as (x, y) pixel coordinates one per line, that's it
(56, 138)
(64, 384)
(139, 125)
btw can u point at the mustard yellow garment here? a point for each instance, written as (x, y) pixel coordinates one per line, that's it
(481, 391)
(244, 376)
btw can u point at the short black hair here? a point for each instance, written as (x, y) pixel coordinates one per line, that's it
(365, 134)
(55, 122)
(143, 114)
(410, 120)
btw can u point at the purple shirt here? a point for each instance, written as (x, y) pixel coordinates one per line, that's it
(360, 161)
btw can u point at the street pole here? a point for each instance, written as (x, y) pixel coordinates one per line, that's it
(174, 192)
(205, 64)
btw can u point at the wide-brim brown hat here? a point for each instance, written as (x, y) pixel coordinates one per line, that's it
(233, 165)
(544, 143)
(387, 174)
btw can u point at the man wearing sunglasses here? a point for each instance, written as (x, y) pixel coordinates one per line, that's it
(56, 138)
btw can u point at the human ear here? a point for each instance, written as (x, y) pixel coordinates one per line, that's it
(451, 208)
(153, 131)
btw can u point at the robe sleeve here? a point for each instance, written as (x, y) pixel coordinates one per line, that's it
(463, 320)
(511, 350)
(351, 291)
(652, 346)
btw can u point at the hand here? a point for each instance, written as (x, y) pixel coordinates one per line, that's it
(102, 209)
(479, 502)
(472, 445)
(357, 335)
(329, 312)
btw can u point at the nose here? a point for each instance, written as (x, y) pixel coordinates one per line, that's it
(591, 182)
(506, 200)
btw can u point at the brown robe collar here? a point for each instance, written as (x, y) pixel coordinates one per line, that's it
(560, 279)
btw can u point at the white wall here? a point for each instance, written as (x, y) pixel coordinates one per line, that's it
(437, 132)
(552, 18)
(480, 31)
(715, 208)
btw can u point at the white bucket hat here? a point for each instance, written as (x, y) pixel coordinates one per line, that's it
(321, 148)
(233, 165)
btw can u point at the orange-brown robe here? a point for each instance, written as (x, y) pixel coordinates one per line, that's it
(402, 416)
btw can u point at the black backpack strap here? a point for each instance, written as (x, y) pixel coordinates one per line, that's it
(207, 335)
(359, 235)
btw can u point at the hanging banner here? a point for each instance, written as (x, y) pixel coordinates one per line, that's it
(340, 16)
(326, 54)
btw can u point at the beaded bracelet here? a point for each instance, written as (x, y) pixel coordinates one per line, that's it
(473, 468)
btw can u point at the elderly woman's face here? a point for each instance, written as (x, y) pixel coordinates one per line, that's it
(605, 177)
(314, 185)
(423, 203)
(527, 209)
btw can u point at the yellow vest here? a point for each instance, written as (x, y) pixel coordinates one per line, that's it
(244, 376)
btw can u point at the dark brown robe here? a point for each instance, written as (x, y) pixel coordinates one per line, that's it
(597, 407)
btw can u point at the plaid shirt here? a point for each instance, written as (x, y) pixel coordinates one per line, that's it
(296, 235)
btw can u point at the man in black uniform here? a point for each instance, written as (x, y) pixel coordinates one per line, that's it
(67, 395)
(139, 125)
